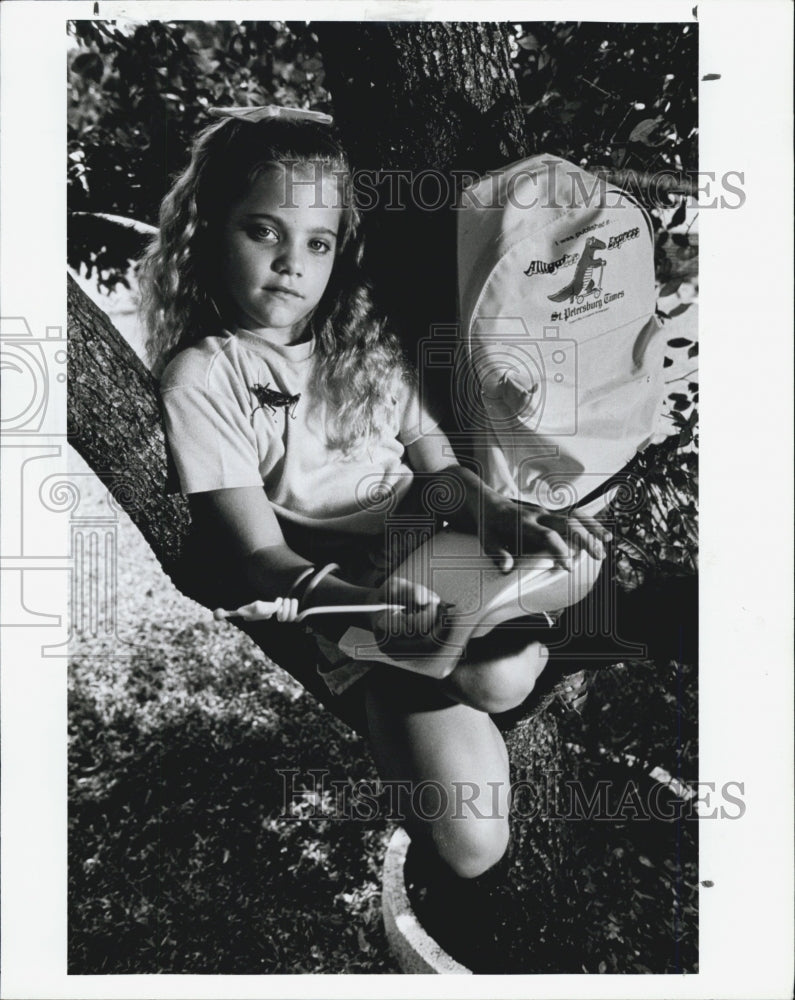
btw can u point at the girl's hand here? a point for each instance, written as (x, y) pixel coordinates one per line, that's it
(511, 529)
(409, 630)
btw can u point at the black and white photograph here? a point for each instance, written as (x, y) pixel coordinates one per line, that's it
(358, 533)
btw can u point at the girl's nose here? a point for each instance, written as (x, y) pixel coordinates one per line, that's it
(289, 260)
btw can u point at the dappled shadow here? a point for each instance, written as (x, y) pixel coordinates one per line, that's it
(624, 898)
(179, 861)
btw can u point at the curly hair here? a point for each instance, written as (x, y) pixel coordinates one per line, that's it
(358, 363)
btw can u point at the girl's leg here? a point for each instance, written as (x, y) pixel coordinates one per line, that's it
(438, 738)
(451, 763)
(498, 671)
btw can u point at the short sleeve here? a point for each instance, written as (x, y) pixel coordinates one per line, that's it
(415, 420)
(211, 441)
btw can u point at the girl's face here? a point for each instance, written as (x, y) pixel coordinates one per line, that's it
(277, 248)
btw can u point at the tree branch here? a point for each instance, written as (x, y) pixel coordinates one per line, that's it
(114, 422)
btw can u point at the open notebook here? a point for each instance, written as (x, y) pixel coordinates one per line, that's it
(454, 566)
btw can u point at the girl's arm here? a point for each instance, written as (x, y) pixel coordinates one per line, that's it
(246, 523)
(504, 527)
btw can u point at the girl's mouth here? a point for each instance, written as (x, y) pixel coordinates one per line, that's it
(283, 292)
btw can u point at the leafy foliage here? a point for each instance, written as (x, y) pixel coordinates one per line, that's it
(623, 95)
(612, 95)
(138, 95)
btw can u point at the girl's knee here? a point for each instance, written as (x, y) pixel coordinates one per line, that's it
(471, 846)
(500, 684)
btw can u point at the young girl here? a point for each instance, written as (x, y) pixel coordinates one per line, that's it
(295, 424)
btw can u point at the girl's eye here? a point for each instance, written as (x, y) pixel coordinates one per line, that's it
(319, 246)
(262, 234)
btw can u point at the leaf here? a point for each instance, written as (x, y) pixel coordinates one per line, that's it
(89, 65)
(692, 352)
(645, 861)
(651, 132)
(529, 42)
(678, 216)
(644, 129)
(678, 310)
(667, 362)
(711, 76)
(662, 237)
(670, 286)
(685, 437)
(678, 341)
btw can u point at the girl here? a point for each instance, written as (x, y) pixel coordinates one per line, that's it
(292, 418)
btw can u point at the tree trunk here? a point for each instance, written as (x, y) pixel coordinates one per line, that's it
(420, 106)
(113, 421)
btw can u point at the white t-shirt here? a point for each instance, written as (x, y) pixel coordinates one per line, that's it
(222, 437)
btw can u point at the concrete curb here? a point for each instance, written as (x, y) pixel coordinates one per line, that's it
(415, 950)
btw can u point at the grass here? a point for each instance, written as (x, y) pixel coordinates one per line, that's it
(625, 898)
(179, 861)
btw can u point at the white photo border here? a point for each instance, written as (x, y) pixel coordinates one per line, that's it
(746, 689)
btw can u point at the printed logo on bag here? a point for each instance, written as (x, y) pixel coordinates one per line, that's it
(584, 293)
(583, 284)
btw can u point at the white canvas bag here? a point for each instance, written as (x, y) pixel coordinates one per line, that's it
(562, 376)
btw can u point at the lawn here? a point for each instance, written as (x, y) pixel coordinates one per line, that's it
(178, 860)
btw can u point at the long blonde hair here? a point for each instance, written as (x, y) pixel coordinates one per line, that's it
(359, 363)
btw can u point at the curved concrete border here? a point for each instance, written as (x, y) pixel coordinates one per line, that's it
(415, 950)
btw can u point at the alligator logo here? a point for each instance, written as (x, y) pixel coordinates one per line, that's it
(582, 284)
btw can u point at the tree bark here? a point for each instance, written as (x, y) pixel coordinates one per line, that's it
(408, 96)
(419, 106)
(114, 422)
